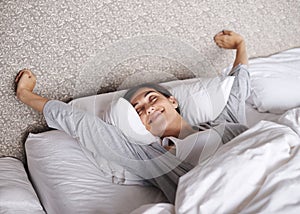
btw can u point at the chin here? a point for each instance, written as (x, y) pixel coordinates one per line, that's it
(158, 130)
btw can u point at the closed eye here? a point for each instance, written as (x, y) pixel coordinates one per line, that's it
(139, 111)
(152, 98)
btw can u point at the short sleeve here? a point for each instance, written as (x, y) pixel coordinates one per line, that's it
(59, 115)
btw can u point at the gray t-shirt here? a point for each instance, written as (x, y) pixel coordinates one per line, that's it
(201, 145)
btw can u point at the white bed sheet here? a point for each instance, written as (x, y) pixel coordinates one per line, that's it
(257, 172)
(159, 208)
(17, 195)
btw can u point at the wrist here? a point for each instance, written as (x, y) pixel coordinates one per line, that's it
(241, 45)
(21, 93)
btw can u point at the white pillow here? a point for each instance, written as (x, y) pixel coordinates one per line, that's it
(204, 99)
(67, 179)
(275, 81)
(16, 192)
(200, 100)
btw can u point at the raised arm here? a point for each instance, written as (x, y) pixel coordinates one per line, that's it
(231, 40)
(26, 81)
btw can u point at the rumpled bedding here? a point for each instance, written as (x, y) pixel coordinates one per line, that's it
(256, 172)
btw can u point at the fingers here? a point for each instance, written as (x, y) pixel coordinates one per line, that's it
(25, 79)
(219, 34)
(227, 32)
(219, 39)
(227, 39)
(20, 74)
(223, 32)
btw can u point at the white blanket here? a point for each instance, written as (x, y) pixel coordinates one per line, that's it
(258, 171)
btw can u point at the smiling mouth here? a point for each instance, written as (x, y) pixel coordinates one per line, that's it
(154, 116)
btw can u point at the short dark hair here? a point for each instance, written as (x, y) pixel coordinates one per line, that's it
(162, 90)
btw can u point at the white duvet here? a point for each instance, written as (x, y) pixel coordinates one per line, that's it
(257, 172)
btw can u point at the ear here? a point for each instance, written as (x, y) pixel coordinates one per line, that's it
(173, 101)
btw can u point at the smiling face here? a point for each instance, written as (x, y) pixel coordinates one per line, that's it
(157, 112)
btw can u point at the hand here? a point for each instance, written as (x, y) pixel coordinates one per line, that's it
(229, 40)
(25, 83)
(25, 80)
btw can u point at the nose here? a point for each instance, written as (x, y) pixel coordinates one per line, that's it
(150, 109)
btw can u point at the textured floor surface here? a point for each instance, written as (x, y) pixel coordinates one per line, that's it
(77, 47)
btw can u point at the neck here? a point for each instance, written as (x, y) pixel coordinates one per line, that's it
(180, 129)
(186, 130)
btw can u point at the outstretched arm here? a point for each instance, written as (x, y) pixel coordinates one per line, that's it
(26, 81)
(231, 40)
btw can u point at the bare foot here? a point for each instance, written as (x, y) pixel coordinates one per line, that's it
(25, 80)
(229, 40)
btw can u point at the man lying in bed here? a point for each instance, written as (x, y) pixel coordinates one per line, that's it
(133, 163)
(159, 111)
